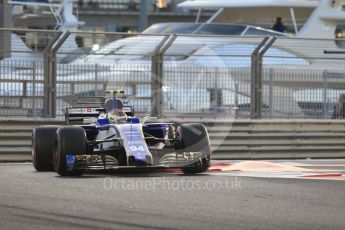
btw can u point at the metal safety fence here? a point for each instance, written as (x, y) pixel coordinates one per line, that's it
(171, 75)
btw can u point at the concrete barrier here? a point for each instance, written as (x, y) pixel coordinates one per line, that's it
(240, 139)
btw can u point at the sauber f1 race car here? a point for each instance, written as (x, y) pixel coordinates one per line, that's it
(110, 137)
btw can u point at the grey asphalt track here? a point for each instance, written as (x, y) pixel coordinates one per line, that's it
(33, 200)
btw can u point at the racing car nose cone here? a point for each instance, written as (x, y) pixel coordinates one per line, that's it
(135, 161)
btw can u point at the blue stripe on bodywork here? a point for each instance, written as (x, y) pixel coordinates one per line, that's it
(136, 145)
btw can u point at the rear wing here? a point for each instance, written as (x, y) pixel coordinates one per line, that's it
(82, 115)
(85, 110)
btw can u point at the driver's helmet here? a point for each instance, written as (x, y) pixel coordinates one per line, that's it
(115, 115)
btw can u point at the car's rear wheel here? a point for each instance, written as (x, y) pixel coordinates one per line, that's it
(43, 138)
(70, 141)
(194, 138)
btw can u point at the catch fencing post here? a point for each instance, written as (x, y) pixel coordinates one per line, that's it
(256, 76)
(33, 107)
(49, 103)
(47, 72)
(270, 94)
(96, 79)
(325, 102)
(5, 34)
(157, 75)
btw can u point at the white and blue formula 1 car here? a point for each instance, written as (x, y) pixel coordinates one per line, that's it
(110, 137)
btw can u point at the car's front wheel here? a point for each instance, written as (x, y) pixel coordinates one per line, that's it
(69, 142)
(194, 138)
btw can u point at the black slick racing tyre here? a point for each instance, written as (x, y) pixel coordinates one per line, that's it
(43, 140)
(69, 140)
(194, 138)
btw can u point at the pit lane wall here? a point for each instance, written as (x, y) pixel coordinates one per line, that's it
(239, 139)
